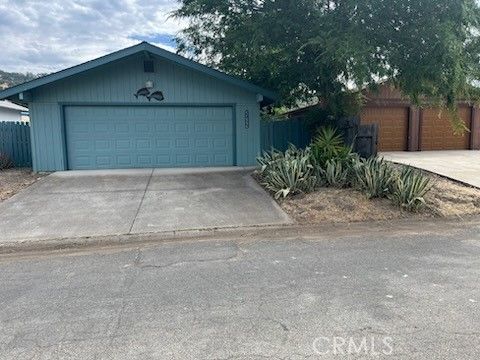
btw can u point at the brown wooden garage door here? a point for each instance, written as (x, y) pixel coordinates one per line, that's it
(436, 130)
(392, 126)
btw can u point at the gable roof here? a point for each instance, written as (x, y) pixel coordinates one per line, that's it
(141, 47)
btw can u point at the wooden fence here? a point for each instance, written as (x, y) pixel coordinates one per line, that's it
(15, 142)
(278, 134)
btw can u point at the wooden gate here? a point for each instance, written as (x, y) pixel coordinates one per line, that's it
(15, 142)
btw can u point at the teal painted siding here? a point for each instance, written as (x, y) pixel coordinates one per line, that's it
(116, 83)
(47, 137)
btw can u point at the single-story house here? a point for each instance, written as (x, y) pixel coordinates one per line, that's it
(10, 112)
(404, 127)
(141, 107)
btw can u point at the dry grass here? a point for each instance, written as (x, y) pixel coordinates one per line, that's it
(14, 180)
(447, 198)
(339, 206)
(451, 198)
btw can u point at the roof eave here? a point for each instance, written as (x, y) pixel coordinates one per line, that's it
(143, 46)
(71, 71)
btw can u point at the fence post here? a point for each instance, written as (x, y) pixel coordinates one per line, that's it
(475, 129)
(413, 129)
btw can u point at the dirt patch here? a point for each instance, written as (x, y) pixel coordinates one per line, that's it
(451, 198)
(447, 198)
(14, 180)
(339, 205)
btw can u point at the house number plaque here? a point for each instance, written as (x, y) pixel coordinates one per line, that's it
(247, 119)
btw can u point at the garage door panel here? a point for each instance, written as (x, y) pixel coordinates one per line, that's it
(161, 127)
(201, 128)
(220, 158)
(83, 161)
(142, 126)
(219, 144)
(163, 160)
(202, 143)
(182, 127)
(123, 145)
(436, 132)
(163, 143)
(126, 137)
(124, 160)
(121, 127)
(102, 126)
(392, 126)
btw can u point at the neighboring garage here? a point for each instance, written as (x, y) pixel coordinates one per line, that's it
(392, 126)
(402, 126)
(141, 107)
(436, 130)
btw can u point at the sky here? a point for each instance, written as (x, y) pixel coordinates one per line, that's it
(43, 36)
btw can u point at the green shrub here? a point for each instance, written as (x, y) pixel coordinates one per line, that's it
(328, 146)
(5, 161)
(287, 173)
(374, 177)
(409, 189)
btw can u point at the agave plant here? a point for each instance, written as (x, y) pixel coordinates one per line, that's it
(409, 189)
(268, 158)
(287, 173)
(374, 177)
(335, 174)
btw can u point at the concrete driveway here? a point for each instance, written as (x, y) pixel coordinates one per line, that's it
(116, 202)
(460, 165)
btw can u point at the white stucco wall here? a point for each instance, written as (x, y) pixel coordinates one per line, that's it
(10, 115)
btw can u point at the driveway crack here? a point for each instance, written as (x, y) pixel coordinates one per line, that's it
(141, 202)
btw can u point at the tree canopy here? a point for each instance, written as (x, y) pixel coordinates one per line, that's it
(329, 49)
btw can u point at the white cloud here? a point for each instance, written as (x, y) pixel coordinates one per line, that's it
(46, 36)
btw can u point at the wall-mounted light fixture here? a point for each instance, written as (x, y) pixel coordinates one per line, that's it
(149, 84)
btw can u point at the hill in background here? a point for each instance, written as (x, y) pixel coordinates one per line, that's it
(9, 79)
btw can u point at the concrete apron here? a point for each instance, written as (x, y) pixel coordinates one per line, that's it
(80, 204)
(458, 165)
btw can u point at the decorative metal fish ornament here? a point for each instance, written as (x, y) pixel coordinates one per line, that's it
(157, 95)
(142, 92)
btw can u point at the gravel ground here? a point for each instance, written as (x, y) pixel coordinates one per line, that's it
(14, 180)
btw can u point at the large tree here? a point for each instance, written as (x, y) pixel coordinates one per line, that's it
(328, 49)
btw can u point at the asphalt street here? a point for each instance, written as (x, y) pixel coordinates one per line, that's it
(363, 295)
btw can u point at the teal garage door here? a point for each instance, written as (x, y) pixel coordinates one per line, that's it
(115, 137)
